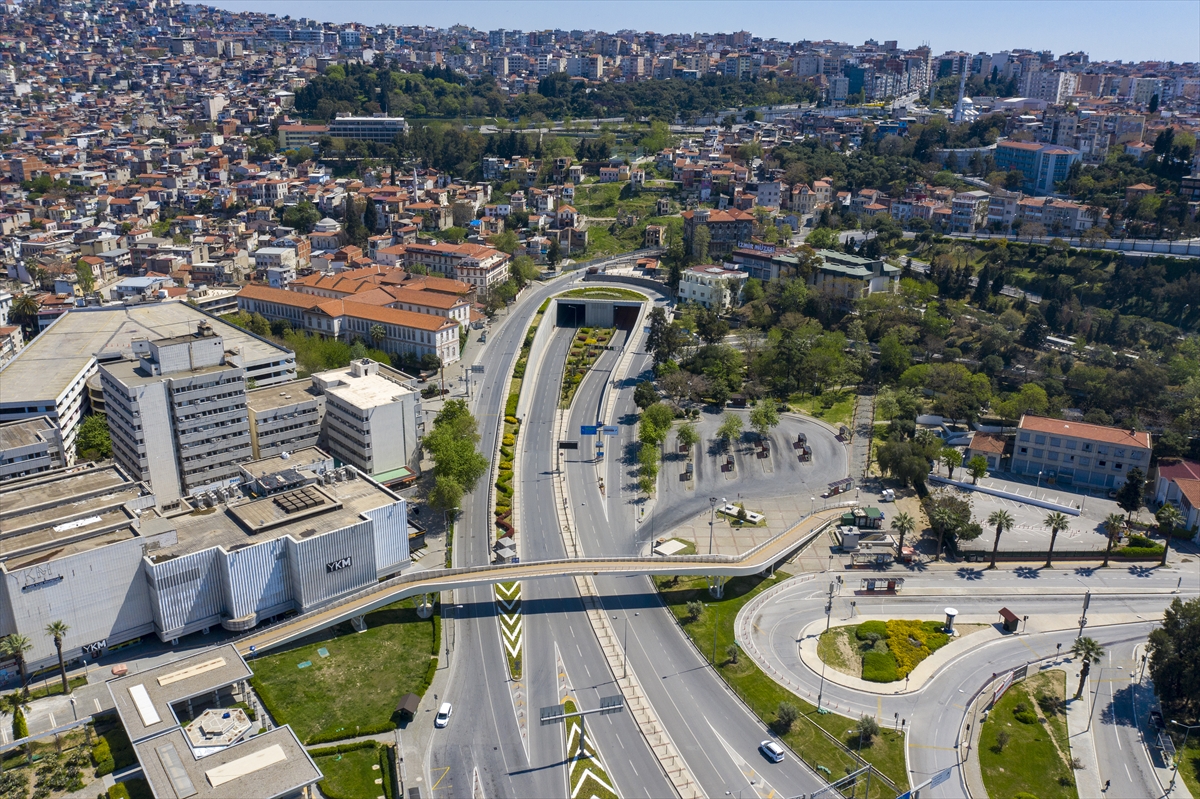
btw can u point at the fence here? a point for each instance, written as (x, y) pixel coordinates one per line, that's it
(980, 556)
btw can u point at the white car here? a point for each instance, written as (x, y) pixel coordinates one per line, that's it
(443, 715)
(771, 751)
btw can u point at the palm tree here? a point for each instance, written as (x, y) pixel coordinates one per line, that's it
(24, 311)
(903, 524)
(940, 519)
(1168, 518)
(1114, 525)
(1089, 651)
(15, 646)
(1002, 520)
(378, 334)
(1057, 522)
(58, 631)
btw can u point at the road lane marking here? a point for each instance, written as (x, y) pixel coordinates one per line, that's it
(439, 780)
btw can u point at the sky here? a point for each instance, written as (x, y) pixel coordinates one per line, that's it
(1145, 30)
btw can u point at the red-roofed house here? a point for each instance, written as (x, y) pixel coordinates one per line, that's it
(1078, 453)
(1178, 482)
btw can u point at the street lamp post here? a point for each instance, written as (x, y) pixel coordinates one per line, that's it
(1182, 750)
(712, 520)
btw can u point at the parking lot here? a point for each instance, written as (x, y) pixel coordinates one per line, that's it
(1030, 531)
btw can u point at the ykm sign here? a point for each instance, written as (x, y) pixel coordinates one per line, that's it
(338, 565)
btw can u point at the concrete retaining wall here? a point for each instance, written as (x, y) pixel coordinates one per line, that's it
(995, 492)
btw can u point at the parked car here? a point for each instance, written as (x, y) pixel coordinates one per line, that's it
(1156, 718)
(771, 751)
(443, 715)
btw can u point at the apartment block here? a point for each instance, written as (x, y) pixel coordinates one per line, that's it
(177, 414)
(284, 418)
(1043, 166)
(381, 129)
(1077, 453)
(370, 418)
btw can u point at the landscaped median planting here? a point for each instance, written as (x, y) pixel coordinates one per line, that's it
(884, 651)
(585, 351)
(823, 740)
(1024, 747)
(588, 775)
(361, 770)
(508, 603)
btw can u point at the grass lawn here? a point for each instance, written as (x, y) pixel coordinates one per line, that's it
(352, 775)
(361, 681)
(54, 686)
(1036, 757)
(839, 649)
(605, 293)
(764, 695)
(834, 407)
(1189, 762)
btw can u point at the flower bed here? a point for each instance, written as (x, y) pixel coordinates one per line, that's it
(585, 351)
(890, 650)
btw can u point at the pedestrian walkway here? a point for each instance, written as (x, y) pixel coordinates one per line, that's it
(1080, 731)
(860, 444)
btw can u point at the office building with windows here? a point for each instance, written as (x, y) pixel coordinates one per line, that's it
(1077, 453)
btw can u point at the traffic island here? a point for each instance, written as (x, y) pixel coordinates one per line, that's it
(824, 741)
(1024, 744)
(884, 651)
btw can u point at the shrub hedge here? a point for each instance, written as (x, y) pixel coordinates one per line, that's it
(868, 627)
(879, 667)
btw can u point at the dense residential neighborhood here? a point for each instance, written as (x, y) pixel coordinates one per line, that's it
(364, 386)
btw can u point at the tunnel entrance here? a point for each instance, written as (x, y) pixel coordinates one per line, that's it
(625, 316)
(571, 314)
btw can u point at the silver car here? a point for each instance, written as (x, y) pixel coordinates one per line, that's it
(771, 751)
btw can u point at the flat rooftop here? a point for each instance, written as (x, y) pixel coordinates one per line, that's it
(367, 391)
(330, 507)
(267, 766)
(282, 395)
(143, 700)
(299, 460)
(46, 367)
(24, 432)
(132, 373)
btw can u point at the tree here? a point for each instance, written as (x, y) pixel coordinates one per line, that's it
(1169, 518)
(1129, 496)
(730, 429)
(1114, 525)
(786, 715)
(1174, 650)
(24, 312)
(665, 339)
(951, 458)
(58, 631)
(655, 424)
(446, 494)
(977, 467)
(1088, 651)
(763, 417)
(1154, 104)
(949, 515)
(506, 242)
(15, 646)
(894, 357)
(1057, 522)
(370, 216)
(687, 435)
(867, 728)
(1003, 521)
(903, 523)
(554, 254)
(694, 609)
(85, 277)
(731, 652)
(644, 394)
(378, 334)
(302, 216)
(700, 241)
(94, 442)
(451, 445)
(822, 238)
(524, 270)
(20, 727)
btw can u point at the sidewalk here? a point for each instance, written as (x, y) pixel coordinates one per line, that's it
(1079, 732)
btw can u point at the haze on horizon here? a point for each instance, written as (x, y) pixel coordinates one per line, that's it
(1167, 30)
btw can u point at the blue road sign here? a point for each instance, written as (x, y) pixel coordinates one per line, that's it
(610, 430)
(589, 430)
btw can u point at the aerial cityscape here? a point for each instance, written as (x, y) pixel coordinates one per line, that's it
(773, 417)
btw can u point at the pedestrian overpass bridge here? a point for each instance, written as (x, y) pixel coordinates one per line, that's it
(719, 568)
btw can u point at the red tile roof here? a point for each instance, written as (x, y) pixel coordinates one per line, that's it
(1093, 432)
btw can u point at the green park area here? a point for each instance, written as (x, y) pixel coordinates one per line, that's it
(604, 293)
(826, 741)
(883, 651)
(1023, 746)
(340, 683)
(356, 771)
(585, 351)
(834, 407)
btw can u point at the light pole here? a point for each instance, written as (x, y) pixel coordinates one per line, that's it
(1087, 600)
(712, 520)
(1181, 752)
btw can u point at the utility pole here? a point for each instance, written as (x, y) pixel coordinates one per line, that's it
(712, 520)
(1087, 600)
(828, 616)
